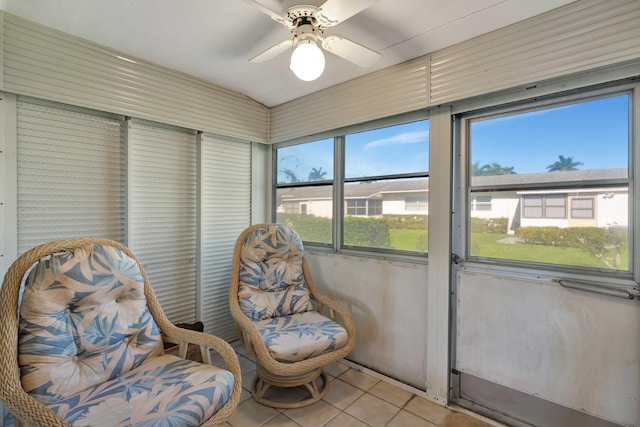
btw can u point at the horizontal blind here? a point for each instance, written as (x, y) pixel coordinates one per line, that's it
(163, 207)
(49, 64)
(70, 174)
(394, 90)
(578, 37)
(226, 211)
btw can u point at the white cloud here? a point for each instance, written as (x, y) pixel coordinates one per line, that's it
(413, 137)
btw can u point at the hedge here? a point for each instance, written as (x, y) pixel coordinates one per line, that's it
(367, 232)
(489, 225)
(595, 240)
(358, 231)
(411, 222)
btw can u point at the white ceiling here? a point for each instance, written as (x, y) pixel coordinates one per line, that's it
(214, 39)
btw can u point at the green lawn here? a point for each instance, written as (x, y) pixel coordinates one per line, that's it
(406, 240)
(487, 246)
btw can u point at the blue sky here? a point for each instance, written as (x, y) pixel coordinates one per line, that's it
(594, 133)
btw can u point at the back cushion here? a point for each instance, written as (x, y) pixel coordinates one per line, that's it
(272, 283)
(83, 320)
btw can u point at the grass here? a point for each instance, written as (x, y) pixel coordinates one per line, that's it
(406, 239)
(487, 245)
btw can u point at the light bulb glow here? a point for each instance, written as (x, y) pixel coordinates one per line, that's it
(307, 61)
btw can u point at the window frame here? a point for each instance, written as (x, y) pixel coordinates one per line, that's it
(338, 182)
(462, 119)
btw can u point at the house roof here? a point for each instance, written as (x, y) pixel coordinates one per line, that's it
(357, 190)
(377, 189)
(549, 177)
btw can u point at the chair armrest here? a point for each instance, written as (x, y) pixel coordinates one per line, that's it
(184, 337)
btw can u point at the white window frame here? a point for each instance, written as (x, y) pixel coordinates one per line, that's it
(338, 182)
(511, 105)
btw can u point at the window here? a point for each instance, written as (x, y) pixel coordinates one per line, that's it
(416, 203)
(384, 192)
(481, 203)
(357, 207)
(374, 207)
(364, 207)
(544, 206)
(304, 189)
(550, 184)
(582, 207)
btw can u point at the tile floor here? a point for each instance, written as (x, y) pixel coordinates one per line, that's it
(355, 399)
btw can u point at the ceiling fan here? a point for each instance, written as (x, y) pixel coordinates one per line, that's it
(307, 24)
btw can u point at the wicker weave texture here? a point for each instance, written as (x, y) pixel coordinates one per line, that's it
(32, 412)
(251, 336)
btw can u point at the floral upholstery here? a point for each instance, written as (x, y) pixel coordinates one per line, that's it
(166, 390)
(271, 280)
(300, 336)
(274, 294)
(90, 350)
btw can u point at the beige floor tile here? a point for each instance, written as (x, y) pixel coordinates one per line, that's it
(407, 419)
(244, 395)
(392, 394)
(281, 421)
(246, 365)
(314, 415)
(251, 414)
(342, 394)
(359, 379)
(336, 369)
(426, 409)
(239, 347)
(247, 380)
(345, 420)
(372, 410)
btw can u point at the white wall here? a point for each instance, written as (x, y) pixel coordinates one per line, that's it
(575, 348)
(387, 301)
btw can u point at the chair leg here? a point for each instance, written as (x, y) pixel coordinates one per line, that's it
(266, 380)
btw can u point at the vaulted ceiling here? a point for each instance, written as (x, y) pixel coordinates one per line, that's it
(214, 39)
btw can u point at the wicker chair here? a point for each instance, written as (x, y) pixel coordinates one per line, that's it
(290, 328)
(82, 335)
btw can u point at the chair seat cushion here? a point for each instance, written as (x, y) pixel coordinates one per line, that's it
(165, 390)
(301, 336)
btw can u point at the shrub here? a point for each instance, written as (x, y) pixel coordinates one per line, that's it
(594, 240)
(489, 225)
(367, 232)
(411, 222)
(310, 228)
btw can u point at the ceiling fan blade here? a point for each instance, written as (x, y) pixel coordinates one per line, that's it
(266, 7)
(273, 51)
(333, 12)
(351, 51)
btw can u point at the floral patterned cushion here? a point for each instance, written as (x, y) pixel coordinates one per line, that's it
(166, 391)
(90, 349)
(301, 336)
(271, 280)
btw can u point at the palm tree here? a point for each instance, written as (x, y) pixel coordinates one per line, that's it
(564, 164)
(491, 169)
(291, 175)
(316, 174)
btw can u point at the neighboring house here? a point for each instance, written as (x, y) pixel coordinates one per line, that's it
(523, 204)
(365, 199)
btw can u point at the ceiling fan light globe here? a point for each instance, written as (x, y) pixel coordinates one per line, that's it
(307, 61)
